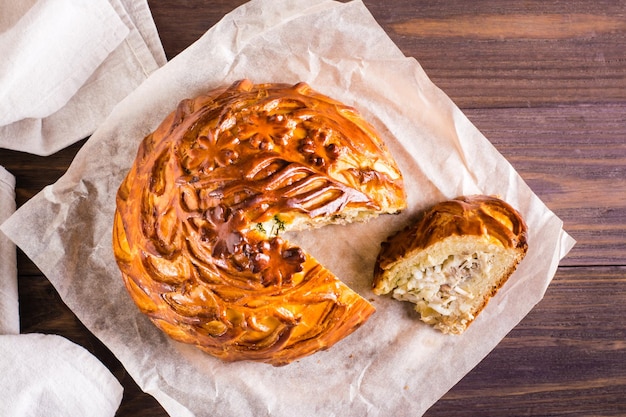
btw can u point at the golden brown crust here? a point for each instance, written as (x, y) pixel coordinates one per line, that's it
(467, 225)
(190, 213)
(476, 215)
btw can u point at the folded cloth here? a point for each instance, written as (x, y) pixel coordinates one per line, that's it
(47, 375)
(43, 375)
(62, 79)
(9, 309)
(50, 53)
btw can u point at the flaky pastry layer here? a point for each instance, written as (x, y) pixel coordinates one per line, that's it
(453, 260)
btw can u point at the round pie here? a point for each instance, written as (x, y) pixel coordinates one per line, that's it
(200, 216)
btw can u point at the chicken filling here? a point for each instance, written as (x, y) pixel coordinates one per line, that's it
(449, 288)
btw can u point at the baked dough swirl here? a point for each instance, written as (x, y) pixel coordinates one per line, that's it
(199, 217)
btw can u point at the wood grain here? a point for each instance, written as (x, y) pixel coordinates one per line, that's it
(514, 54)
(546, 83)
(180, 23)
(574, 158)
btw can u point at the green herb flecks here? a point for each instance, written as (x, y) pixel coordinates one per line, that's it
(278, 227)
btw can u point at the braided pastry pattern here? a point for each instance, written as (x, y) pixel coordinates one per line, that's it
(200, 215)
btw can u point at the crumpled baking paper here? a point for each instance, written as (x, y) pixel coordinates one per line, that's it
(66, 64)
(394, 362)
(44, 375)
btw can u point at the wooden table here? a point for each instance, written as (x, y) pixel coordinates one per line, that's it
(546, 83)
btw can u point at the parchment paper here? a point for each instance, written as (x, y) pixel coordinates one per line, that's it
(391, 365)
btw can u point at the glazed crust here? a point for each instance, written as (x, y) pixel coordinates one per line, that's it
(191, 233)
(477, 215)
(458, 227)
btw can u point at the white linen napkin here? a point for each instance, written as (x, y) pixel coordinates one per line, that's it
(50, 53)
(47, 375)
(43, 375)
(69, 62)
(9, 309)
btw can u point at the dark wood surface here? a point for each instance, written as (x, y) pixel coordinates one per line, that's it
(545, 81)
